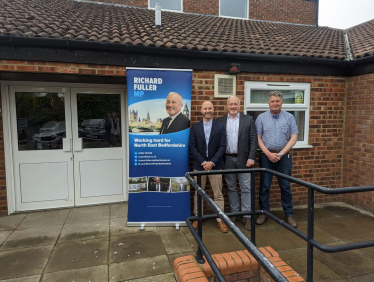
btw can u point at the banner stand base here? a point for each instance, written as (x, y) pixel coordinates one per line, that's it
(142, 225)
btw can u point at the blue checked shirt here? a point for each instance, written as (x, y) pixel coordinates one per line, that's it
(276, 132)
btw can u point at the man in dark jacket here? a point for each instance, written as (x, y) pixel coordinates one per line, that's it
(176, 120)
(158, 186)
(208, 145)
(240, 153)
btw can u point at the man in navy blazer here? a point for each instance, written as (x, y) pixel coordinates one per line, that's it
(176, 120)
(208, 146)
(241, 152)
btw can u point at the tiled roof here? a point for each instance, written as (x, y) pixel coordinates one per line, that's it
(74, 20)
(362, 39)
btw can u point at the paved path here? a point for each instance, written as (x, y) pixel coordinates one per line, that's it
(94, 244)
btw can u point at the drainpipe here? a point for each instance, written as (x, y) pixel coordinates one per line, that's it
(317, 11)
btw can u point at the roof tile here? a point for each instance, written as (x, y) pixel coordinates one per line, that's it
(361, 39)
(98, 22)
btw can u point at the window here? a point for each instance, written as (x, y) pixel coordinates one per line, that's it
(224, 85)
(170, 5)
(233, 9)
(295, 101)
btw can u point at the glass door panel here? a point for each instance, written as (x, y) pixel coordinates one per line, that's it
(40, 120)
(99, 120)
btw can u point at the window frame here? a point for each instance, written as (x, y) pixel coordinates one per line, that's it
(168, 10)
(246, 17)
(273, 86)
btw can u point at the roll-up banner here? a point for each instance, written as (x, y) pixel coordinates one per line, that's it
(159, 103)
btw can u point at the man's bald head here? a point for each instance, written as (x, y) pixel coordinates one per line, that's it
(207, 110)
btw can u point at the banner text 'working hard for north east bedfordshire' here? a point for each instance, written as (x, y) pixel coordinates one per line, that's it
(158, 190)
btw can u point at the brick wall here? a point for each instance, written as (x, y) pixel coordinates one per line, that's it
(292, 11)
(359, 139)
(325, 129)
(326, 121)
(61, 68)
(207, 7)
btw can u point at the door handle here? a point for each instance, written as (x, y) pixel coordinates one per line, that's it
(78, 144)
(66, 144)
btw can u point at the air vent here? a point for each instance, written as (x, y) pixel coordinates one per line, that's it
(224, 85)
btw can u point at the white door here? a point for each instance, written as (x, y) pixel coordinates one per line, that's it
(42, 151)
(67, 146)
(98, 145)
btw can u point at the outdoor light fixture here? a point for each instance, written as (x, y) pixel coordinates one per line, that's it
(234, 68)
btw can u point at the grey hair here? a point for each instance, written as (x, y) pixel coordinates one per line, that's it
(231, 97)
(277, 94)
(178, 95)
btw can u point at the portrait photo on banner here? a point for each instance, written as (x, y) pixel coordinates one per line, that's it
(147, 117)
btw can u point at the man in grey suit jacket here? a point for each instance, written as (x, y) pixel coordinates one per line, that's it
(240, 153)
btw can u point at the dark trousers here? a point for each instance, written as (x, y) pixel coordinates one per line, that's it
(284, 165)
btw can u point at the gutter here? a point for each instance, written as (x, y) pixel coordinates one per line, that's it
(363, 60)
(19, 41)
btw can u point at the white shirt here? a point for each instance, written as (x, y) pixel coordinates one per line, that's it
(232, 134)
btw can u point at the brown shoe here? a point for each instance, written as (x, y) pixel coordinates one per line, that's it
(222, 227)
(233, 219)
(195, 224)
(291, 221)
(261, 219)
(247, 223)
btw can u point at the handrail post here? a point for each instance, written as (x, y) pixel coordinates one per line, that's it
(310, 235)
(199, 255)
(253, 208)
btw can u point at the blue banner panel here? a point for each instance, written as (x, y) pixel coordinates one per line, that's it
(159, 207)
(159, 155)
(159, 103)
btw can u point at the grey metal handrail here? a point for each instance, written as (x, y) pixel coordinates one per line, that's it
(250, 244)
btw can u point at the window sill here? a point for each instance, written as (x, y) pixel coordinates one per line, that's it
(302, 146)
